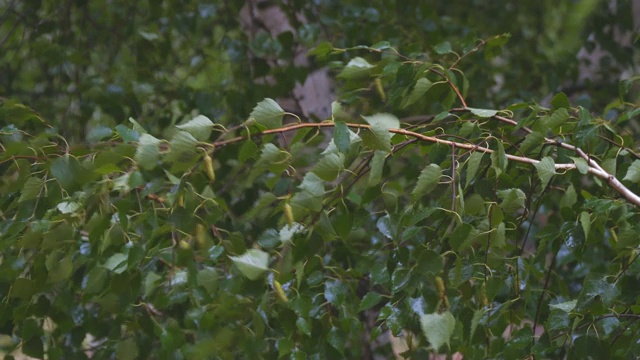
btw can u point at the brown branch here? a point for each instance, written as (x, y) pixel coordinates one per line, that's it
(475, 49)
(594, 168)
(453, 87)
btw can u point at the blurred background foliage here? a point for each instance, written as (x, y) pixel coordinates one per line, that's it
(141, 273)
(83, 63)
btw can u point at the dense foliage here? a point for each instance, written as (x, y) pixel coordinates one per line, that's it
(158, 203)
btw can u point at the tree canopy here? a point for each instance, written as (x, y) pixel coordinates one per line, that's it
(326, 179)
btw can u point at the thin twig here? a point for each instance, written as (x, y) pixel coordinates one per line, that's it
(594, 168)
(452, 85)
(544, 289)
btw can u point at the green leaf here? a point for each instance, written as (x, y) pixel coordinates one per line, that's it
(475, 321)
(499, 159)
(472, 165)
(569, 198)
(127, 135)
(379, 137)
(31, 189)
(252, 264)
(270, 239)
(443, 48)
(338, 113)
(381, 45)
(512, 200)
(443, 115)
(322, 50)
(399, 279)
(333, 147)
(116, 263)
(271, 154)
(428, 179)
(609, 165)
(419, 90)
(483, 113)
(288, 231)
(633, 173)
(66, 169)
(137, 127)
(208, 278)
(127, 349)
(151, 282)
(458, 238)
(33, 347)
(248, 150)
(59, 266)
(98, 133)
(199, 127)
(311, 193)
(357, 68)
(498, 240)
(560, 100)
(438, 328)
(341, 136)
(531, 142)
(329, 166)
(376, 165)
(304, 326)
(337, 338)
(585, 221)
(546, 170)
(557, 321)
(495, 216)
(284, 347)
(96, 280)
(430, 263)
(596, 285)
(556, 119)
(148, 152)
(183, 148)
(370, 300)
(68, 207)
(581, 165)
(268, 114)
(566, 306)
(22, 288)
(335, 291)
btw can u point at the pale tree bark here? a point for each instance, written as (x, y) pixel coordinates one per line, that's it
(313, 97)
